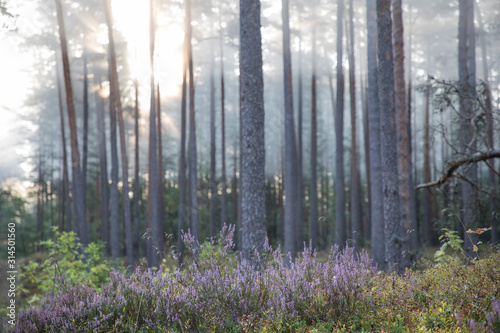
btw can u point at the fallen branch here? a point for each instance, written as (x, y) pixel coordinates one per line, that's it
(454, 165)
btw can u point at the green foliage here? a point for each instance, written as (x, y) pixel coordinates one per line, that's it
(68, 264)
(450, 239)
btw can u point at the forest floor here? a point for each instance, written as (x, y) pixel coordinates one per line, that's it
(215, 292)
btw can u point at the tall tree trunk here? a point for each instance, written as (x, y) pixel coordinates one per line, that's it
(116, 104)
(192, 150)
(490, 136)
(340, 223)
(103, 170)
(467, 77)
(213, 181)
(161, 172)
(355, 177)
(291, 187)
(313, 189)
(300, 161)
(85, 147)
(427, 171)
(376, 203)
(40, 203)
(78, 198)
(392, 213)
(223, 198)
(413, 234)
(182, 154)
(252, 144)
(154, 224)
(137, 185)
(366, 138)
(66, 224)
(403, 137)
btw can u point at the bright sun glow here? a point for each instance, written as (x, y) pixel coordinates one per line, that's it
(132, 19)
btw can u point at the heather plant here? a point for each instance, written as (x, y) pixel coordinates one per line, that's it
(68, 264)
(216, 291)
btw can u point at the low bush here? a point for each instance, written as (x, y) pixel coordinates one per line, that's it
(219, 292)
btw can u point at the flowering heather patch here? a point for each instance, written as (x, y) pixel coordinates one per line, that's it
(216, 292)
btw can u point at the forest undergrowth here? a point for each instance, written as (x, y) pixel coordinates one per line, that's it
(216, 291)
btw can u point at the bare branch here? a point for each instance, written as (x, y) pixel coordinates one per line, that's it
(454, 165)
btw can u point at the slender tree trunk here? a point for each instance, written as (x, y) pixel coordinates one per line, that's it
(154, 223)
(355, 177)
(40, 203)
(213, 181)
(252, 144)
(313, 189)
(291, 187)
(413, 233)
(376, 203)
(78, 198)
(85, 147)
(340, 223)
(192, 150)
(66, 224)
(161, 171)
(116, 105)
(137, 185)
(392, 213)
(300, 161)
(467, 77)
(223, 198)
(182, 154)
(427, 172)
(403, 137)
(103, 171)
(490, 136)
(366, 138)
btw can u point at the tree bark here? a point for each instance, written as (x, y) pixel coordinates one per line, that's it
(290, 144)
(192, 150)
(467, 78)
(392, 213)
(182, 153)
(116, 104)
(376, 203)
(340, 224)
(223, 197)
(137, 184)
(103, 171)
(355, 177)
(154, 224)
(313, 190)
(252, 144)
(403, 137)
(427, 172)
(78, 198)
(213, 180)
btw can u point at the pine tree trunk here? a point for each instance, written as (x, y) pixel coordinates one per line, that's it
(66, 224)
(427, 172)
(376, 203)
(223, 198)
(161, 172)
(392, 213)
(467, 77)
(192, 149)
(85, 147)
(403, 137)
(299, 233)
(355, 177)
(116, 103)
(137, 185)
(252, 144)
(291, 188)
(78, 195)
(213, 181)
(313, 190)
(340, 223)
(182, 156)
(103, 171)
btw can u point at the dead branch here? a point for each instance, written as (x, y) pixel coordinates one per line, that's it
(454, 165)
